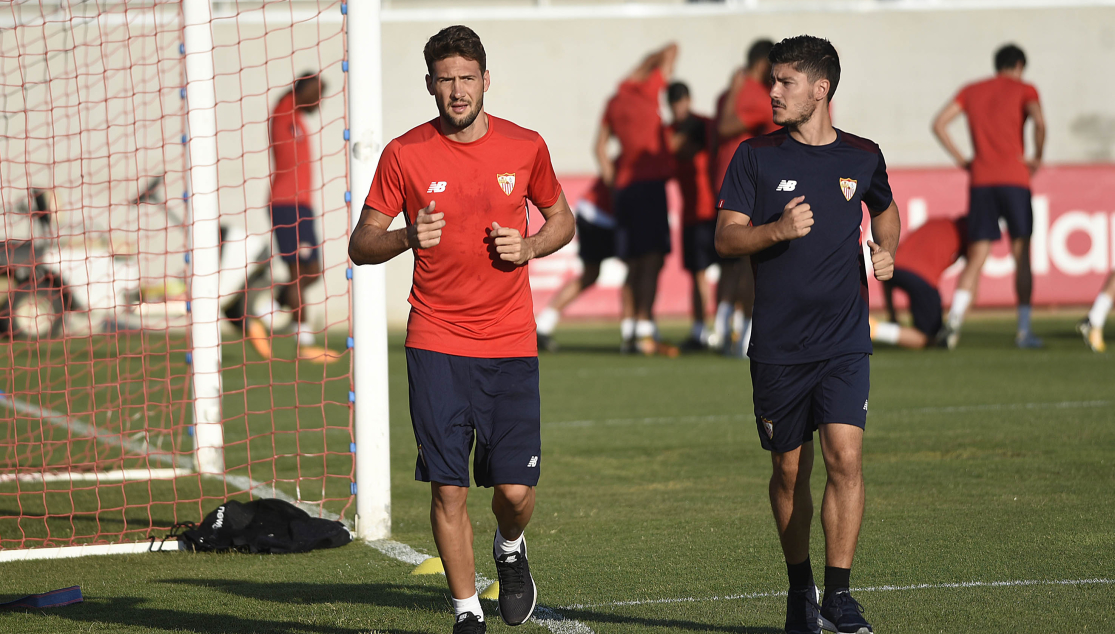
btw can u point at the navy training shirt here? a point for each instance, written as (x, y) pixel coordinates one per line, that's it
(810, 293)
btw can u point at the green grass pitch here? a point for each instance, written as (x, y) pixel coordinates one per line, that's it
(987, 464)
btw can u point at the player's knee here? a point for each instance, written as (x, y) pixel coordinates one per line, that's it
(448, 500)
(517, 496)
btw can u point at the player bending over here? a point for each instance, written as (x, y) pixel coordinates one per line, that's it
(1092, 325)
(793, 201)
(925, 255)
(463, 181)
(997, 110)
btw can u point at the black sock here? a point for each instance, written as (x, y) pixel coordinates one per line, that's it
(801, 575)
(837, 579)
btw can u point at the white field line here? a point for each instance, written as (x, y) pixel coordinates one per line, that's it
(919, 586)
(720, 418)
(548, 618)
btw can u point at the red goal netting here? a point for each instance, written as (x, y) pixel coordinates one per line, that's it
(97, 271)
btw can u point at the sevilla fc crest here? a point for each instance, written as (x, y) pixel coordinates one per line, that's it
(506, 182)
(768, 426)
(848, 186)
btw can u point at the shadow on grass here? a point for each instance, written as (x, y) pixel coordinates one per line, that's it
(591, 618)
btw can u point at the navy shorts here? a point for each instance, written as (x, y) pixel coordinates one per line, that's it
(455, 401)
(596, 243)
(698, 246)
(642, 222)
(987, 204)
(791, 401)
(925, 301)
(293, 226)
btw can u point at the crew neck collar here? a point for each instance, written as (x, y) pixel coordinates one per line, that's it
(487, 135)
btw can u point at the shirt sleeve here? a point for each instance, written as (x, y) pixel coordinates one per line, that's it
(755, 113)
(962, 98)
(1030, 94)
(543, 190)
(387, 194)
(878, 195)
(738, 191)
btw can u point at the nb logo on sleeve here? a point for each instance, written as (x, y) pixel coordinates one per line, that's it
(436, 187)
(786, 186)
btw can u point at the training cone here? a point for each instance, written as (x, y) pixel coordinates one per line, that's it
(257, 337)
(431, 566)
(318, 354)
(491, 592)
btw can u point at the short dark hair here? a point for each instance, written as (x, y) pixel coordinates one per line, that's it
(1008, 57)
(814, 56)
(455, 41)
(676, 91)
(759, 51)
(305, 78)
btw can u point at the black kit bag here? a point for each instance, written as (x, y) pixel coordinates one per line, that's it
(262, 526)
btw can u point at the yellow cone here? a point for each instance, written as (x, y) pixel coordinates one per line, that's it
(431, 566)
(491, 592)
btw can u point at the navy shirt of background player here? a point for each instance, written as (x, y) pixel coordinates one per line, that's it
(810, 293)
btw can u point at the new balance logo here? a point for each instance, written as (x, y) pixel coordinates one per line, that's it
(436, 187)
(533, 462)
(786, 186)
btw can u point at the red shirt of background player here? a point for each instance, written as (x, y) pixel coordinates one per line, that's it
(754, 111)
(292, 174)
(633, 117)
(465, 301)
(599, 195)
(932, 248)
(698, 200)
(996, 110)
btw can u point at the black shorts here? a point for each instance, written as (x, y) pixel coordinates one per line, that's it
(293, 226)
(642, 222)
(698, 246)
(456, 400)
(987, 204)
(925, 301)
(791, 401)
(596, 243)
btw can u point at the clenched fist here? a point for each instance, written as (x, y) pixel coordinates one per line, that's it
(882, 261)
(796, 220)
(426, 230)
(510, 245)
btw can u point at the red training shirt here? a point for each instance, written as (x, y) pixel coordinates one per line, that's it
(932, 248)
(996, 110)
(600, 195)
(698, 200)
(465, 300)
(632, 114)
(292, 175)
(754, 111)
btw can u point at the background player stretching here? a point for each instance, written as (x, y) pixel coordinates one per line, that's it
(811, 344)
(997, 110)
(463, 180)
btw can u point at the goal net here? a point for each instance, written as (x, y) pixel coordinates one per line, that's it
(100, 273)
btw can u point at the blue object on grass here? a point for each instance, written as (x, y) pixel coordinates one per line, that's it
(52, 599)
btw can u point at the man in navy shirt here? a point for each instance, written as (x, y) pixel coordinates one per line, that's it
(792, 200)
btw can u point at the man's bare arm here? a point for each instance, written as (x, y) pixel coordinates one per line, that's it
(737, 237)
(662, 59)
(600, 150)
(729, 124)
(372, 243)
(941, 131)
(886, 227)
(1033, 110)
(555, 233)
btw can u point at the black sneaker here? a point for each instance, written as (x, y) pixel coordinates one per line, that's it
(627, 346)
(547, 343)
(517, 593)
(841, 613)
(469, 623)
(803, 615)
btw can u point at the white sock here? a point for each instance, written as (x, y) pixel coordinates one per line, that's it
(698, 332)
(471, 604)
(305, 335)
(961, 299)
(1098, 315)
(502, 546)
(887, 332)
(627, 328)
(645, 328)
(723, 320)
(739, 322)
(547, 320)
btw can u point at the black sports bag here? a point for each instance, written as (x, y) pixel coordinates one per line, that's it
(262, 526)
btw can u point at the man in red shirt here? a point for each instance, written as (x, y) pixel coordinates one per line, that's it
(638, 179)
(997, 110)
(922, 258)
(742, 111)
(463, 181)
(691, 136)
(292, 190)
